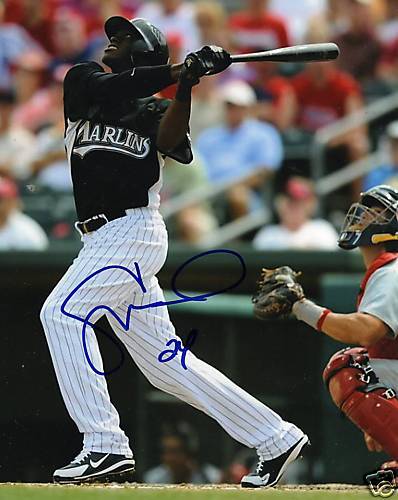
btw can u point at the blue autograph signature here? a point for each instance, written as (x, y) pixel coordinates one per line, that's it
(169, 354)
(166, 355)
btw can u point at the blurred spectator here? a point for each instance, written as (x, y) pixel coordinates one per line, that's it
(277, 102)
(297, 14)
(70, 39)
(175, 43)
(388, 34)
(388, 68)
(387, 173)
(240, 146)
(96, 12)
(45, 107)
(17, 230)
(360, 50)
(174, 16)
(388, 29)
(14, 41)
(16, 144)
(179, 449)
(325, 94)
(192, 223)
(329, 23)
(295, 208)
(29, 73)
(207, 108)
(256, 27)
(242, 463)
(50, 166)
(211, 19)
(35, 16)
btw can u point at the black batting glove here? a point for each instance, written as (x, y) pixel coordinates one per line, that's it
(216, 59)
(209, 60)
(192, 70)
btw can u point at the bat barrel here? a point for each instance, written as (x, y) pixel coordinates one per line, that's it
(296, 53)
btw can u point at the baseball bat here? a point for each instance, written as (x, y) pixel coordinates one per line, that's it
(296, 53)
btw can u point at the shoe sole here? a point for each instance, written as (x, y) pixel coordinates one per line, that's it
(296, 452)
(103, 476)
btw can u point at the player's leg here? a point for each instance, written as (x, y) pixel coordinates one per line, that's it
(85, 393)
(368, 401)
(386, 371)
(138, 237)
(242, 416)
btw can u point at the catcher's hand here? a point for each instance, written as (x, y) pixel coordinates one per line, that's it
(277, 291)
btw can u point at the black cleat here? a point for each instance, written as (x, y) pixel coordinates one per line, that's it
(90, 466)
(269, 472)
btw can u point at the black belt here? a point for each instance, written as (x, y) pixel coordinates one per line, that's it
(97, 221)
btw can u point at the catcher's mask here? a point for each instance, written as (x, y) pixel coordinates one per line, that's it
(149, 46)
(372, 220)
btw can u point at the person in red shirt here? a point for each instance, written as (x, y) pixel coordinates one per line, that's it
(256, 27)
(360, 49)
(325, 94)
(36, 17)
(276, 98)
(388, 67)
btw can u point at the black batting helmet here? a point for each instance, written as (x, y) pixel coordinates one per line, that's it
(372, 220)
(149, 46)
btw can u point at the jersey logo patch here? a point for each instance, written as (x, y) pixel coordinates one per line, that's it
(92, 137)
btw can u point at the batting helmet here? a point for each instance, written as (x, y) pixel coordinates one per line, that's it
(372, 220)
(149, 46)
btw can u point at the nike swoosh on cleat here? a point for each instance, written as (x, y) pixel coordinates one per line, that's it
(97, 464)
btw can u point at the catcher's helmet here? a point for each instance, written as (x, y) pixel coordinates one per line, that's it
(372, 220)
(150, 45)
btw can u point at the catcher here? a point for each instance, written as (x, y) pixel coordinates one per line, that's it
(362, 381)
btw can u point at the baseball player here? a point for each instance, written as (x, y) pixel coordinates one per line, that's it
(362, 381)
(117, 135)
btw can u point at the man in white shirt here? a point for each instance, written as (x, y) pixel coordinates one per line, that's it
(296, 229)
(240, 146)
(17, 230)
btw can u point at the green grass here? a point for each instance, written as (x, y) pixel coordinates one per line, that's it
(27, 492)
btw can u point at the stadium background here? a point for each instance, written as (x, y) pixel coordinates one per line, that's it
(279, 362)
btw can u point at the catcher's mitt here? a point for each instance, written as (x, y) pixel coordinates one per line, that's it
(277, 291)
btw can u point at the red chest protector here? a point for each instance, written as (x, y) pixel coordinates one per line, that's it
(385, 348)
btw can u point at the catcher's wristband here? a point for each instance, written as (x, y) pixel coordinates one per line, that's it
(310, 313)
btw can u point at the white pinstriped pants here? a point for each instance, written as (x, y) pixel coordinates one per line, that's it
(141, 237)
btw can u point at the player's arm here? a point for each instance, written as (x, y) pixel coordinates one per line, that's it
(90, 82)
(175, 122)
(376, 317)
(141, 82)
(356, 328)
(174, 125)
(279, 293)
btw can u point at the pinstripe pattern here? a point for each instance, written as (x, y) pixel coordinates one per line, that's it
(141, 237)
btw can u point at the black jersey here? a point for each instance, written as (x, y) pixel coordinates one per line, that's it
(111, 125)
